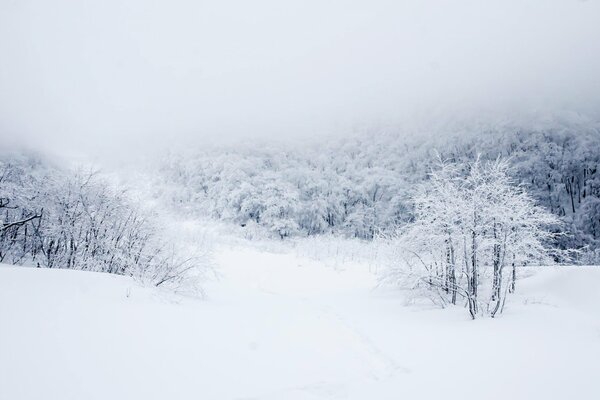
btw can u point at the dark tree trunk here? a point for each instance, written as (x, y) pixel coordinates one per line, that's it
(474, 274)
(513, 277)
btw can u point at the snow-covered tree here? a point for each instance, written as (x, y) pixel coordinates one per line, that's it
(470, 223)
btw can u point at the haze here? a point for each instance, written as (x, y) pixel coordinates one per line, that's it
(129, 75)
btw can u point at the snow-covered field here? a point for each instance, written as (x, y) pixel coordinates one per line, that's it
(279, 326)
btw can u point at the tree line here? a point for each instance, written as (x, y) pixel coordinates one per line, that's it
(361, 186)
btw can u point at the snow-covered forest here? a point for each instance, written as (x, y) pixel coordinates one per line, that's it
(361, 186)
(310, 200)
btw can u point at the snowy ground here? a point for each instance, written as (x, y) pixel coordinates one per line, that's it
(276, 326)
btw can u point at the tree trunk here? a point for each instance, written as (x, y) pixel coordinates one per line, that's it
(513, 277)
(496, 280)
(450, 278)
(497, 289)
(474, 273)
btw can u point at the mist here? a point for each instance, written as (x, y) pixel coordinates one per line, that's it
(118, 77)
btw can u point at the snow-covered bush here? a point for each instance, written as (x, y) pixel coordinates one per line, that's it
(471, 224)
(57, 218)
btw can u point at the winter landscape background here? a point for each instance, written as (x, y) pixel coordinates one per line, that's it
(316, 200)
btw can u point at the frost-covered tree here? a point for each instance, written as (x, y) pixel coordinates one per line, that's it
(471, 222)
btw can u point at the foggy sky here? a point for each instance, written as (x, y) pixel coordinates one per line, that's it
(127, 75)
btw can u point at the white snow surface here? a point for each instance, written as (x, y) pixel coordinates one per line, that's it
(279, 326)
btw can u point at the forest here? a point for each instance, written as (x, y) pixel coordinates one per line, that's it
(362, 186)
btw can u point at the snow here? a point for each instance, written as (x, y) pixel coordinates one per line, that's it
(279, 326)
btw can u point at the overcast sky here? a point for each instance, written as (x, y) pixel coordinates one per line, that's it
(126, 74)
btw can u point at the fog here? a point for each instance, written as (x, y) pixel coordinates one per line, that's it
(122, 76)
